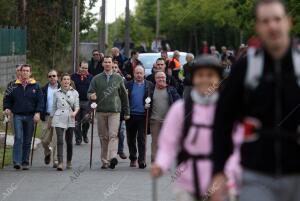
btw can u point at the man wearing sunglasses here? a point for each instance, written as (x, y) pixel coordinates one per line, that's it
(48, 133)
(95, 64)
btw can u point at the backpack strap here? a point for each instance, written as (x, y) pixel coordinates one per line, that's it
(255, 68)
(296, 62)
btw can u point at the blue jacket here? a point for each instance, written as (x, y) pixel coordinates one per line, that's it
(25, 101)
(82, 86)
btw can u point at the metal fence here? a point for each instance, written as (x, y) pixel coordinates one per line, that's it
(12, 41)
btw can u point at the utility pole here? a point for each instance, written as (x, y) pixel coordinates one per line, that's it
(75, 34)
(127, 29)
(157, 18)
(102, 27)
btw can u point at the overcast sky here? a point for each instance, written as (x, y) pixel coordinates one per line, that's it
(114, 8)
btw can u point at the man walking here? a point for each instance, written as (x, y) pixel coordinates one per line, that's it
(26, 104)
(263, 92)
(95, 64)
(108, 90)
(138, 90)
(82, 80)
(131, 64)
(163, 97)
(48, 134)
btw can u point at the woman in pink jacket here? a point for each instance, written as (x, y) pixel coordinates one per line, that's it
(187, 135)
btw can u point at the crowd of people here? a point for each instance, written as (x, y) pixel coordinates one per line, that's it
(237, 138)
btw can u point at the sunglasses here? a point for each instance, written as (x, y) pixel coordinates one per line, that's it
(50, 76)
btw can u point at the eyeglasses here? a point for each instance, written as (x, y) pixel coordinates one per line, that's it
(50, 76)
(96, 54)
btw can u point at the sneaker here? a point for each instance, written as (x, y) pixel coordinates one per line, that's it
(17, 166)
(113, 163)
(69, 165)
(55, 164)
(142, 165)
(60, 167)
(104, 166)
(86, 140)
(123, 156)
(132, 163)
(25, 167)
(47, 159)
(78, 141)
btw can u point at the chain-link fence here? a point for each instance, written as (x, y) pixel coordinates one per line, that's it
(12, 41)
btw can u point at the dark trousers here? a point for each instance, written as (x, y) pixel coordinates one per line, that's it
(135, 127)
(81, 128)
(60, 143)
(121, 136)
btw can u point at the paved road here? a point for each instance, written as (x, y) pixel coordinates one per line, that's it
(43, 183)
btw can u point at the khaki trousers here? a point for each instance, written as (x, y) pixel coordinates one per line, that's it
(108, 127)
(49, 139)
(155, 127)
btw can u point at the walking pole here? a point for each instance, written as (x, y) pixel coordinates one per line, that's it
(154, 189)
(93, 106)
(32, 148)
(6, 120)
(147, 102)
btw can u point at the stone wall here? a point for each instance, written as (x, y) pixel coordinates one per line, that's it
(8, 68)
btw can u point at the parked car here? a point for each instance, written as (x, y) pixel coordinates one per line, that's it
(148, 59)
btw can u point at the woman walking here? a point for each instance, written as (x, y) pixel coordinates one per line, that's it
(65, 108)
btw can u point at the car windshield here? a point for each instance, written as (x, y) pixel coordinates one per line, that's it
(149, 58)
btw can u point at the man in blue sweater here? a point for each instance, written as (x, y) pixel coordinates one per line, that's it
(25, 101)
(138, 91)
(82, 80)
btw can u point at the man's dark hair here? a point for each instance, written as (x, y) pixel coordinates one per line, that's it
(95, 50)
(107, 57)
(159, 59)
(26, 66)
(83, 62)
(265, 2)
(133, 52)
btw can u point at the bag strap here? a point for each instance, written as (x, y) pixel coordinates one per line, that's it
(255, 67)
(296, 62)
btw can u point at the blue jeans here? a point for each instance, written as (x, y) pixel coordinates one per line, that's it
(24, 126)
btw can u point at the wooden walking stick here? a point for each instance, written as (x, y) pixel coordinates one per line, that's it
(32, 148)
(93, 106)
(154, 189)
(6, 120)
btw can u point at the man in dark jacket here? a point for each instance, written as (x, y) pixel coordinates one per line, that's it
(162, 98)
(95, 64)
(26, 104)
(82, 80)
(263, 93)
(187, 80)
(48, 133)
(138, 90)
(131, 64)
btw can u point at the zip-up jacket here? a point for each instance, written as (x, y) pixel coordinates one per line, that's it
(25, 101)
(268, 153)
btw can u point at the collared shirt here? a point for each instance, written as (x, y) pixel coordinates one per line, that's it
(108, 75)
(51, 90)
